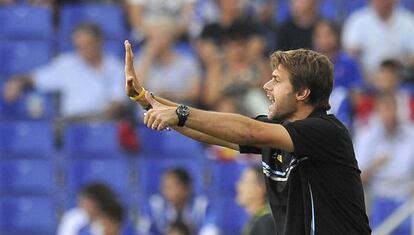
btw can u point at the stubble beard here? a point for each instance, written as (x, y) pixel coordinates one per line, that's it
(285, 112)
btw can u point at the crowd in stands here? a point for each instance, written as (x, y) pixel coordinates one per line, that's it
(66, 68)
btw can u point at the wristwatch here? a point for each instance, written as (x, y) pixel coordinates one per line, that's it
(182, 112)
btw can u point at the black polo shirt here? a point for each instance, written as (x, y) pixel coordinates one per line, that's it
(316, 189)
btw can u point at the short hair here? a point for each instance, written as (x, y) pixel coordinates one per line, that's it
(307, 69)
(391, 64)
(237, 31)
(99, 193)
(334, 27)
(90, 28)
(113, 210)
(182, 176)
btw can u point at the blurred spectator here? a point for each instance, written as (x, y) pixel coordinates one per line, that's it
(263, 13)
(162, 70)
(90, 202)
(179, 12)
(297, 31)
(175, 205)
(89, 82)
(385, 154)
(262, 10)
(178, 228)
(110, 221)
(212, 37)
(251, 194)
(348, 78)
(234, 83)
(387, 80)
(377, 32)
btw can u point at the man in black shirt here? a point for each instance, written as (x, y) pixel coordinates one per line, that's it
(312, 177)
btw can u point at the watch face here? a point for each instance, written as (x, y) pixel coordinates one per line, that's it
(183, 110)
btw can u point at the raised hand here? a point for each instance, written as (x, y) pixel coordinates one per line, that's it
(132, 84)
(160, 116)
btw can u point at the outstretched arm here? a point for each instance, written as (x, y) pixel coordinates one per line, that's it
(232, 128)
(133, 88)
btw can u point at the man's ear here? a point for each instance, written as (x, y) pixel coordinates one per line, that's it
(303, 94)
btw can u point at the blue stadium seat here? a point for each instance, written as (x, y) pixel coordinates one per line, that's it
(228, 216)
(31, 106)
(17, 57)
(408, 4)
(92, 140)
(169, 142)
(31, 176)
(114, 47)
(114, 172)
(151, 169)
(109, 17)
(32, 138)
(354, 5)
(225, 175)
(24, 22)
(27, 215)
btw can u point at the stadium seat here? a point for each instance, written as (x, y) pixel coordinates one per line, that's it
(31, 106)
(17, 57)
(225, 175)
(31, 138)
(228, 216)
(24, 22)
(27, 215)
(114, 172)
(169, 142)
(151, 169)
(109, 17)
(30, 176)
(114, 47)
(92, 140)
(351, 6)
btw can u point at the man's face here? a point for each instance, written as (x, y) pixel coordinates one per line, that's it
(88, 47)
(173, 190)
(382, 6)
(386, 80)
(90, 206)
(248, 188)
(279, 90)
(324, 38)
(302, 7)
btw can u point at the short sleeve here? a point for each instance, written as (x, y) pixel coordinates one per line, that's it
(116, 75)
(352, 37)
(314, 137)
(249, 149)
(48, 78)
(253, 149)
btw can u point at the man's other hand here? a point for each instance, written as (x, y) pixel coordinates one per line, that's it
(160, 116)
